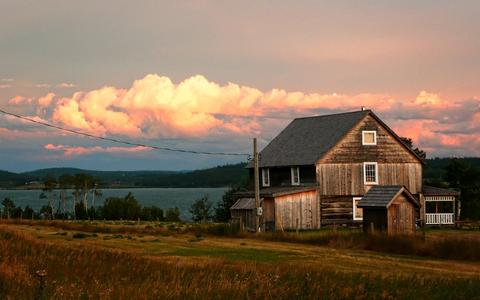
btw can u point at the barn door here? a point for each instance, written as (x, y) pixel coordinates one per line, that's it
(394, 219)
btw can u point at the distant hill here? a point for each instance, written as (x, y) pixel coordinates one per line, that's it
(219, 176)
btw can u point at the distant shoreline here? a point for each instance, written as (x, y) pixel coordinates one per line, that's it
(117, 188)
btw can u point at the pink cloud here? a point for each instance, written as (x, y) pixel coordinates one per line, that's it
(17, 100)
(156, 107)
(46, 100)
(76, 151)
(66, 85)
(5, 86)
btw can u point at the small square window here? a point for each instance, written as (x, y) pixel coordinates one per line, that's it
(357, 211)
(295, 176)
(369, 137)
(265, 177)
(370, 173)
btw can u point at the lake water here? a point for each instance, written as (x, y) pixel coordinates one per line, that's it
(160, 197)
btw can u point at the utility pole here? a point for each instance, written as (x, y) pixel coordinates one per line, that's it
(256, 185)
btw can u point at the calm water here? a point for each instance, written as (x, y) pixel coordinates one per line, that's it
(161, 197)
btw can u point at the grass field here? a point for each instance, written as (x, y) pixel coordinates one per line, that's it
(148, 261)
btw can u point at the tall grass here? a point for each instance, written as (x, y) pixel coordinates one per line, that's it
(449, 247)
(88, 272)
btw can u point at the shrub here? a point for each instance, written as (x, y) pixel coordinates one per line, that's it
(172, 215)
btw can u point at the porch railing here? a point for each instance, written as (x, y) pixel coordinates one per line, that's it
(439, 218)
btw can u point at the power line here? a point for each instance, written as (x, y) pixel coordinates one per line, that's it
(121, 141)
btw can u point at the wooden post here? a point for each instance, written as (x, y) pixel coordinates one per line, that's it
(372, 227)
(256, 185)
(296, 221)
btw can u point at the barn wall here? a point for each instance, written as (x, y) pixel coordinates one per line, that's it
(347, 178)
(301, 206)
(340, 171)
(336, 210)
(268, 217)
(387, 150)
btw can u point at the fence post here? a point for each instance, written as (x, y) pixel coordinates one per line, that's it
(296, 220)
(372, 227)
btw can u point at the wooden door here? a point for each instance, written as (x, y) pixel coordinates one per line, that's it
(401, 218)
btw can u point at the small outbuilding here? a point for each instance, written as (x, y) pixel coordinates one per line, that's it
(243, 212)
(390, 208)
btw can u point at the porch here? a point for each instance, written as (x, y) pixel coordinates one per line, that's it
(439, 210)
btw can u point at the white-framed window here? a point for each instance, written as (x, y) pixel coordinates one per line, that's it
(370, 173)
(369, 137)
(295, 175)
(357, 211)
(266, 177)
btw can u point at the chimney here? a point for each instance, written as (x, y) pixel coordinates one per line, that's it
(362, 108)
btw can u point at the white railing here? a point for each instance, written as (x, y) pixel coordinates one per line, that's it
(439, 218)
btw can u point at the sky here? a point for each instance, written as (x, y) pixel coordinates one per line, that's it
(211, 75)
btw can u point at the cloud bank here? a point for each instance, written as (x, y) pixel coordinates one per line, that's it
(155, 107)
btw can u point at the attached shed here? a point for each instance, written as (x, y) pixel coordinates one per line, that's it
(284, 208)
(243, 211)
(390, 208)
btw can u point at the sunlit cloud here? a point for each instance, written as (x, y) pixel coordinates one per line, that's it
(42, 85)
(5, 86)
(17, 100)
(7, 79)
(66, 85)
(46, 100)
(69, 151)
(196, 108)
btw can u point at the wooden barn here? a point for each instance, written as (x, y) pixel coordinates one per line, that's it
(316, 170)
(389, 208)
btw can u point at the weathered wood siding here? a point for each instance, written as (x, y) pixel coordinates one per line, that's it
(336, 210)
(246, 216)
(401, 216)
(268, 217)
(347, 178)
(301, 206)
(387, 149)
(340, 171)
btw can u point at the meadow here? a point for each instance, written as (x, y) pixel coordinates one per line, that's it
(130, 260)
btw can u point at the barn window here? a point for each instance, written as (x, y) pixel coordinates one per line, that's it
(357, 211)
(265, 177)
(295, 176)
(370, 173)
(369, 137)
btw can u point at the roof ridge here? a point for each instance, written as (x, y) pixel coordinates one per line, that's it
(335, 114)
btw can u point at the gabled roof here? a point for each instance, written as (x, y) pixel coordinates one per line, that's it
(382, 195)
(305, 140)
(278, 191)
(435, 191)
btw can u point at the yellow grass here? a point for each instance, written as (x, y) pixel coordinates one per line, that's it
(202, 267)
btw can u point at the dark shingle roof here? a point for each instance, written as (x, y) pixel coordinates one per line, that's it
(382, 195)
(244, 203)
(435, 191)
(305, 140)
(278, 191)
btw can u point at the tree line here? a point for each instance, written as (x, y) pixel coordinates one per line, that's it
(74, 197)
